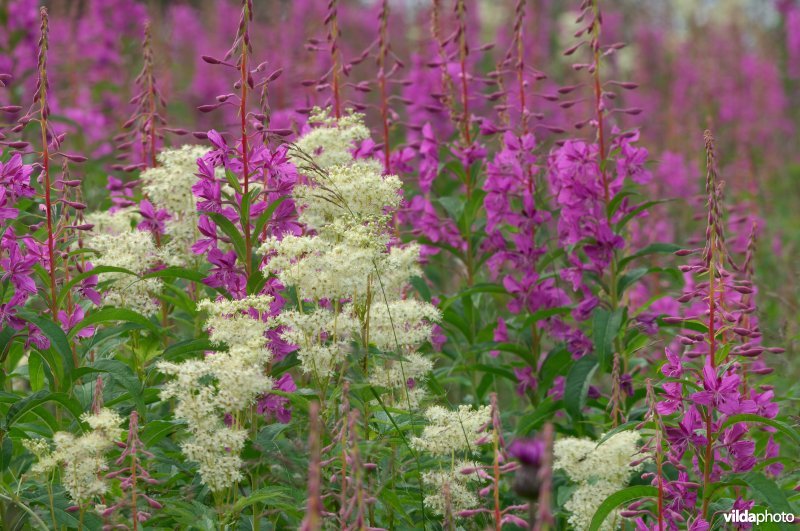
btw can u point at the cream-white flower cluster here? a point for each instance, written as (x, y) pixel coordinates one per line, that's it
(347, 260)
(169, 187)
(82, 458)
(598, 471)
(451, 491)
(323, 337)
(331, 141)
(398, 375)
(358, 189)
(117, 222)
(452, 431)
(119, 245)
(224, 382)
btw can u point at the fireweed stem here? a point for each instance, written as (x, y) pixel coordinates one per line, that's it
(248, 251)
(43, 114)
(382, 54)
(498, 517)
(465, 132)
(335, 55)
(616, 412)
(598, 96)
(711, 261)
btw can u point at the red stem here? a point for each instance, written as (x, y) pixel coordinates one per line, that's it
(245, 155)
(337, 106)
(598, 98)
(47, 198)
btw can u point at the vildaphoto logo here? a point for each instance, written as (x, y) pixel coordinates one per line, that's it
(746, 517)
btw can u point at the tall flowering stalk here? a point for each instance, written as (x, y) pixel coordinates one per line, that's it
(146, 124)
(258, 175)
(40, 96)
(711, 422)
(594, 207)
(383, 55)
(58, 198)
(131, 473)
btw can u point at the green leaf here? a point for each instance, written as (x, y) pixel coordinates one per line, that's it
(766, 490)
(577, 385)
(486, 287)
(265, 216)
(618, 498)
(67, 287)
(105, 315)
(123, 375)
(177, 272)
(605, 327)
(543, 412)
(629, 279)
(557, 363)
(233, 180)
(470, 212)
(62, 365)
(777, 424)
(453, 205)
(631, 425)
(636, 211)
(422, 287)
(6, 450)
(616, 201)
(230, 231)
(541, 315)
(256, 281)
(187, 347)
(653, 248)
(35, 371)
(265, 439)
(268, 496)
(688, 324)
(25, 405)
(155, 430)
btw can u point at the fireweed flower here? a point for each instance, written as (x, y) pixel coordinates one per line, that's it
(720, 298)
(271, 404)
(18, 255)
(223, 383)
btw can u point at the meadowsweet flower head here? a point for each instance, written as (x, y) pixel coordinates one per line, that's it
(584, 503)
(584, 460)
(322, 338)
(135, 251)
(598, 471)
(358, 189)
(452, 431)
(333, 140)
(450, 491)
(401, 323)
(169, 188)
(349, 258)
(224, 382)
(45, 458)
(113, 222)
(82, 458)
